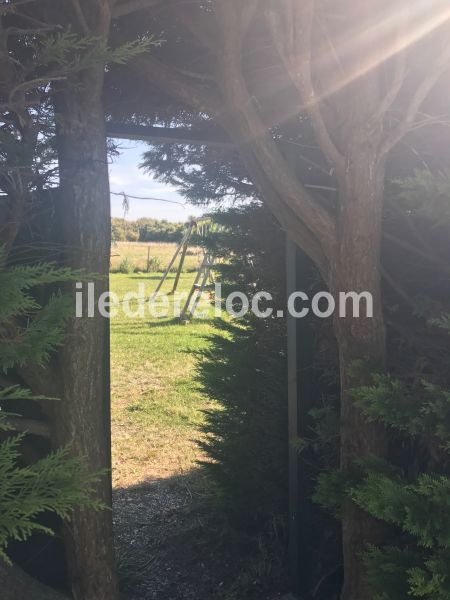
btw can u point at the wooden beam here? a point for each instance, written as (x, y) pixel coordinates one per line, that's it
(303, 388)
(168, 135)
(122, 9)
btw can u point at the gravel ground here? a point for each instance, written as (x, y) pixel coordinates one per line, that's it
(171, 547)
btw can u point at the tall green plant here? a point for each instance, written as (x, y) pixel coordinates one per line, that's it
(30, 331)
(409, 492)
(415, 502)
(246, 373)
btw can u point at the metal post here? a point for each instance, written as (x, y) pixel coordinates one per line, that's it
(294, 504)
(303, 388)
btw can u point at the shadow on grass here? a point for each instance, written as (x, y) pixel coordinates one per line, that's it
(217, 532)
(215, 322)
(140, 328)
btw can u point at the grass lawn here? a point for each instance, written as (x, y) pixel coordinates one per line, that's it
(172, 541)
(156, 402)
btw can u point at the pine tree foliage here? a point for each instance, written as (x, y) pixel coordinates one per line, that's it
(411, 492)
(56, 483)
(71, 53)
(31, 339)
(29, 331)
(420, 508)
(423, 411)
(246, 438)
(35, 57)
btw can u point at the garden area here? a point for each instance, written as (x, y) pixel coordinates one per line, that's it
(251, 403)
(127, 257)
(166, 380)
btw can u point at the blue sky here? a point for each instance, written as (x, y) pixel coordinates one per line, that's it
(125, 176)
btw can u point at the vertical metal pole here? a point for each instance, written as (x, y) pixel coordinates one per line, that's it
(294, 504)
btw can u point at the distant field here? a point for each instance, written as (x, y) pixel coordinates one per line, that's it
(137, 252)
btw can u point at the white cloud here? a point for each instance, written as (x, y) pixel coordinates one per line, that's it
(125, 176)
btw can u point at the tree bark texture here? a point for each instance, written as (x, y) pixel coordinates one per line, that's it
(356, 268)
(82, 418)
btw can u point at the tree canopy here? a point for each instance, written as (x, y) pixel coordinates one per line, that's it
(307, 106)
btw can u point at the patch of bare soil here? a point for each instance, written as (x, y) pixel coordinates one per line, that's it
(171, 545)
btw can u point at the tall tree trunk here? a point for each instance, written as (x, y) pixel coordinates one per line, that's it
(82, 418)
(347, 83)
(356, 268)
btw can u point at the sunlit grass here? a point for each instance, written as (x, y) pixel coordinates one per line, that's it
(157, 403)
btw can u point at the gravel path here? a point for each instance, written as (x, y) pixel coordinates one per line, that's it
(170, 547)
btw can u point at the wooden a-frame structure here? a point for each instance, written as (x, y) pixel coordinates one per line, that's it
(203, 277)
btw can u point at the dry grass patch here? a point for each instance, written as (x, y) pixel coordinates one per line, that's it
(157, 404)
(137, 253)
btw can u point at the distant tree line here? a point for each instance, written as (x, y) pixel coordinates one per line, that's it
(146, 230)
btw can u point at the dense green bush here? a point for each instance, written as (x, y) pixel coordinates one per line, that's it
(246, 373)
(126, 266)
(410, 491)
(154, 265)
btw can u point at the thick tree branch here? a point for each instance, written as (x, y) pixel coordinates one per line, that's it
(421, 93)
(80, 16)
(399, 71)
(104, 17)
(251, 132)
(291, 29)
(195, 95)
(299, 213)
(194, 25)
(235, 16)
(398, 76)
(247, 15)
(394, 89)
(288, 218)
(121, 9)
